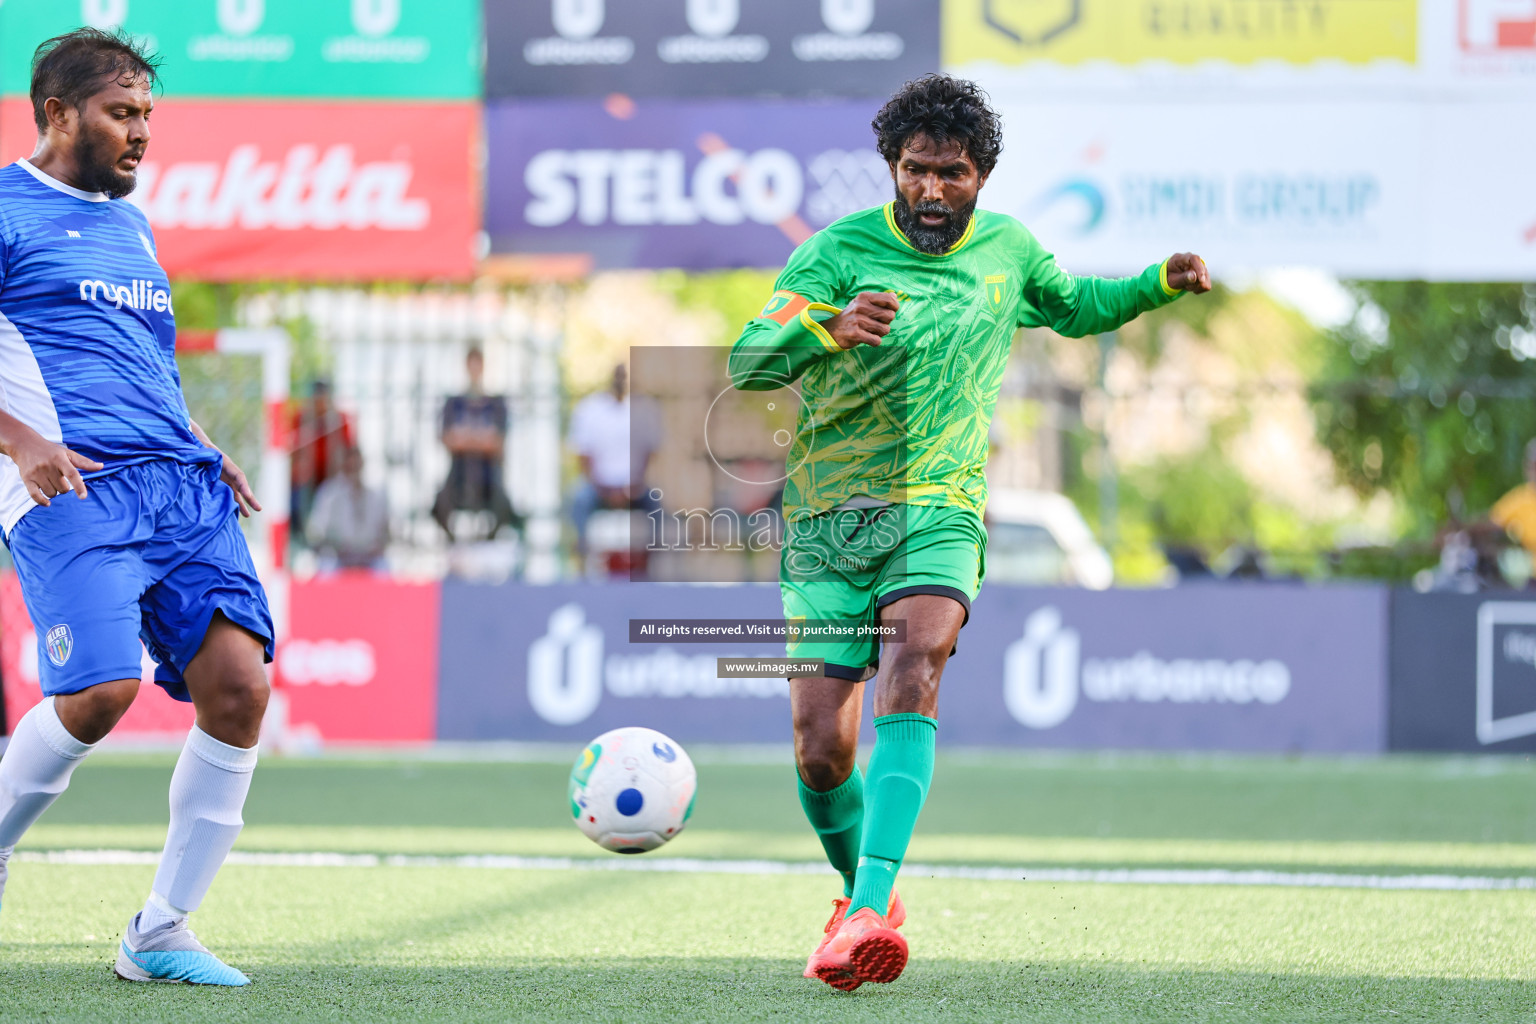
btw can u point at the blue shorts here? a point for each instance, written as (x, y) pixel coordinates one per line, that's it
(151, 554)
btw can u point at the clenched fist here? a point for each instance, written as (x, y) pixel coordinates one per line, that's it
(864, 321)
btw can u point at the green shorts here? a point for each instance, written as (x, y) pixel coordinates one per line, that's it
(847, 564)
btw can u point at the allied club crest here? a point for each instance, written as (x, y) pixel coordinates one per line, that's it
(997, 287)
(60, 643)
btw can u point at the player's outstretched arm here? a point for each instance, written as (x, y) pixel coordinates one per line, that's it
(47, 469)
(245, 498)
(1080, 306)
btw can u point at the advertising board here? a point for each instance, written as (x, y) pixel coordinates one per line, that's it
(708, 47)
(1014, 32)
(1219, 668)
(332, 191)
(662, 183)
(1353, 187)
(152, 716)
(360, 661)
(1463, 672)
(418, 49)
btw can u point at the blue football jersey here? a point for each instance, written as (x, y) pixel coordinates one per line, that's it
(87, 332)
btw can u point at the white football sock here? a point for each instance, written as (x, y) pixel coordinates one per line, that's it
(35, 769)
(208, 792)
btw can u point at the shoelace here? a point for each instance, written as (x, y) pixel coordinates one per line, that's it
(838, 906)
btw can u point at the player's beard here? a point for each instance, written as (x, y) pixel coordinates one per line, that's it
(933, 241)
(97, 166)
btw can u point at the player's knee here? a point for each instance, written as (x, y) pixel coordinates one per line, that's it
(825, 757)
(824, 770)
(90, 714)
(918, 667)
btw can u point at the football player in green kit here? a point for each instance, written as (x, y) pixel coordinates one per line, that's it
(895, 325)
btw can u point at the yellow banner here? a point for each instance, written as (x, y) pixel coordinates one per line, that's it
(1180, 31)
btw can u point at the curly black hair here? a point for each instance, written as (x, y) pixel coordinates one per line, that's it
(944, 109)
(77, 65)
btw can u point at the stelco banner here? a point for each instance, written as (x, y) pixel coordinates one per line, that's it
(330, 191)
(708, 47)
(1218, 668)
(420, 49)
(662, 183)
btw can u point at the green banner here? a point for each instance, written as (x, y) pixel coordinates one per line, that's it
(389, 49)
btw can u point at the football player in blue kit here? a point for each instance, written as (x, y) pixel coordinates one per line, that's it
(119, 513)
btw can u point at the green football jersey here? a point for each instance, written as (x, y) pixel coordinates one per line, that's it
(907, 421)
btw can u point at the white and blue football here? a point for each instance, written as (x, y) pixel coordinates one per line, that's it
(632, 790)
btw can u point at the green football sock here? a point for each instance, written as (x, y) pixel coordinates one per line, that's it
(900, 770)
(838, 818)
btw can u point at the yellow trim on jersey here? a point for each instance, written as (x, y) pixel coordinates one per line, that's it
(815, 328)
(1162, 279)
(890, 222)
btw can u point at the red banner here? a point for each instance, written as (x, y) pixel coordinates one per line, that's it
(240, 190)
(360, 664)
(152, 716)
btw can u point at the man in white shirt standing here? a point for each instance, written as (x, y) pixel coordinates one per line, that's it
(614, 442)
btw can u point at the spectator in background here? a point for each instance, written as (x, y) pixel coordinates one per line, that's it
(613, 460)
(475, 434)
(1516, 511)
(318, 433)
(349, 523)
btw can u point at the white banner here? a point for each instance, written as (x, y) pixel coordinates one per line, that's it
(1401, 189)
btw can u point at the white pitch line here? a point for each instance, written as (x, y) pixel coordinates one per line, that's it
(688, 865)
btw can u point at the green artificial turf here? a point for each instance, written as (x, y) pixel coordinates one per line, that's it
(454, 943)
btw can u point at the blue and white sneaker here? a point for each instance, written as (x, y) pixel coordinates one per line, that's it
(170, 952)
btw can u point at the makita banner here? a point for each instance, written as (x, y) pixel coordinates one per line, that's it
(329, 191)
(708, 47)
(661, 183)
(1261, 668)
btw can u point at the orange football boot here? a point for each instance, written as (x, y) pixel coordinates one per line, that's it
(836, 970)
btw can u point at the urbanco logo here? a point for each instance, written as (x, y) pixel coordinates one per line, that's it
(1040, 671)
(576, 24)
(1045, 675)
(565, 668)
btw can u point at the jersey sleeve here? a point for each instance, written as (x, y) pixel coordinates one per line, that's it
(1078, 306)
(786, 338)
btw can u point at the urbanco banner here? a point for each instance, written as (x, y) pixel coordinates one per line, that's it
(662, 183)
(1356, 188)
(1463, 672)
(417, 49)
(708, 47)
(555, 663)
(1255, 668)
(331, 191)
(1263, 667)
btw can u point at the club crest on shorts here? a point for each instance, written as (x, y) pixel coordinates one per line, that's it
(60, 643)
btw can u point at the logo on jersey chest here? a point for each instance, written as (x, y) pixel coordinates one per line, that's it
(996, 286)
(137, 294)
(60, 644)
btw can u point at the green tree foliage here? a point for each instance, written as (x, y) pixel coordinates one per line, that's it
(1429, 394)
